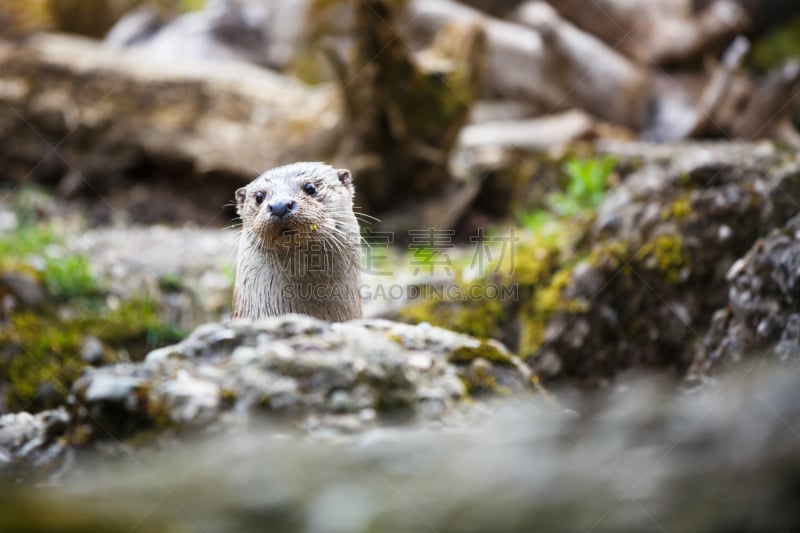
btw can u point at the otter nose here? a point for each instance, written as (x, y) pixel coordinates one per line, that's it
(281, 208)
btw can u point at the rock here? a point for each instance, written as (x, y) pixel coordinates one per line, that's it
(638, 459)
(763, 311)
(328, 374)
(654, 272)
(25, 291)
(8, 220)
(33, 444)
(92, 350)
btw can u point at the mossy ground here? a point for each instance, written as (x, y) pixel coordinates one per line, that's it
(40, 349)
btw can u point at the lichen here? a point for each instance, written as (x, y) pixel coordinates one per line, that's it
(480, 380)
(664, 254)
(480, 318)
(548, 299)
(678, 210)
(485, 350)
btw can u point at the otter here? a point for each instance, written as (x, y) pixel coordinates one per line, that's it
(299, 248)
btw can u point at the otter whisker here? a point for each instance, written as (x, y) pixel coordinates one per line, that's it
(361, 213)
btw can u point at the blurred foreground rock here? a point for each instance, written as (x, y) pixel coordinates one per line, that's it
(33, 443)
(641, 460)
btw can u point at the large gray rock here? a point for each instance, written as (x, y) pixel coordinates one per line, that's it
(326, 378)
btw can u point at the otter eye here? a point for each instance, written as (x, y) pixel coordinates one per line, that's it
(310, 189)
(260, 196)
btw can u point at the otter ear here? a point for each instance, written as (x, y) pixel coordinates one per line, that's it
(241, 196)
(345, 177)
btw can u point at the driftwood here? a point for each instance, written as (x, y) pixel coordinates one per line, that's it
(656, 31)
(71, 107)
(530, 134)
(551, 64)
(769, 111)
(761, 13)
(718, 87)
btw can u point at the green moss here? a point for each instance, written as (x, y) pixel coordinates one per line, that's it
(678, 210)
(38, 356)
(480, 318)
(192, 5)
(69, 277)
(25, 241)
(40, 351)
(547, 300)
(136, 325)
(534, 259)
(486, 350)
(664, 254)
(480, 380)
(172, 282)
(536, 269)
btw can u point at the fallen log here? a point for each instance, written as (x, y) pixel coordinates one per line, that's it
(530, 134)
(658, 31)
(549, 62)
(71, 106)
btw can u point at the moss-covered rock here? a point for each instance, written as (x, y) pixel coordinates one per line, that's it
(42, 353)
(655, 272)
(322, 376)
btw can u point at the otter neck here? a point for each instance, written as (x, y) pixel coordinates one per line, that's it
(314, 279)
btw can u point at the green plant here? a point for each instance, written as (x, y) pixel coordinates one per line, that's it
(586, 186)
(544, 224)
(69, 277)
(26, 240)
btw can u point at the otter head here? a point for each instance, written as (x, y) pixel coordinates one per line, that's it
(296, 202)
